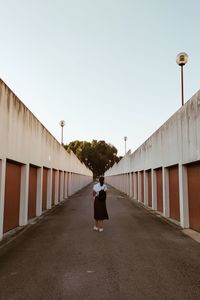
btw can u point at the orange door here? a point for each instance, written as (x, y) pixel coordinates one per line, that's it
(136, 188)
(32, 192)
(142, 186)
(149, 189)
(193, 172)
(174, 193)
(159, 189)
(68, 184)
(44, 189)
(53, 187)
(65, 184)
(132, 184)
(12, 196)
(59, 182)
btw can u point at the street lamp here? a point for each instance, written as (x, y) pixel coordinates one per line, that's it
(182, 59)
(125, 139)
(62, 124)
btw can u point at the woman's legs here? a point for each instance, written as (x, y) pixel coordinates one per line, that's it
(100, 224)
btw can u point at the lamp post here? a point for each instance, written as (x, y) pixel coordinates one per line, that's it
(62, 124)
(125, 139)
(182, 59)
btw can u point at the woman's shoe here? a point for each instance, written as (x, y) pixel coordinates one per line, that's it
(100, 229)
(95, 228)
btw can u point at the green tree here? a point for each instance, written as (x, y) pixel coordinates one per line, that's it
(97, 155)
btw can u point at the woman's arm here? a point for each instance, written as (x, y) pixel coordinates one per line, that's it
(94, 194)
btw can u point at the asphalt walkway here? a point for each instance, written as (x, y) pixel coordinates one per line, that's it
(138, 256)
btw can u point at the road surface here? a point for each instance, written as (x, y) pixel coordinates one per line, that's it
(138, 256)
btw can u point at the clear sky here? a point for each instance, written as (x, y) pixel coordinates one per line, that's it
(107, 67)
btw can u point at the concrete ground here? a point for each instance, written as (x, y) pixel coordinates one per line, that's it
(138, 256)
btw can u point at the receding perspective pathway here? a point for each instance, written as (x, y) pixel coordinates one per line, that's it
(138, 256)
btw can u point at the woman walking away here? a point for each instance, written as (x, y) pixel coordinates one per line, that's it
(100, 211)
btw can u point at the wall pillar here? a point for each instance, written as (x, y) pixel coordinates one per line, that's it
(49, 188)
(23, 213)
(183, 194)
(39, 192)
(165, 180)
(2, 193)
(154, 191)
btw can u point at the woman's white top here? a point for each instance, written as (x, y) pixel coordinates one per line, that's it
(97, 188)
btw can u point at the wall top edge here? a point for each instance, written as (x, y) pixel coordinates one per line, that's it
(181, 110)
(146, 156)
(10, 99)
(2, 83)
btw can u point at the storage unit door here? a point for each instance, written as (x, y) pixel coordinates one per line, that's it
(136, 188)
(193, 172)
(44, 189)
(149, 189)
(128, 184)
(53, 187)
(132, 177)
(12, 196)
(159, 189)
(174, 193)
(59, 187)
(32, 192)
(68, 184)
(142, 186)
(65, 185)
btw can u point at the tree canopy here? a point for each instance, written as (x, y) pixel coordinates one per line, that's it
(97, 155)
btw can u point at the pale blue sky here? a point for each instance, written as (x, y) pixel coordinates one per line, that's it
(107, 67)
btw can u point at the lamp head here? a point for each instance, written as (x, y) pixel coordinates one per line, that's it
(62, 123)
(182, 58)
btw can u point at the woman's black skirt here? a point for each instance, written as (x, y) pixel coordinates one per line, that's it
(100, 211)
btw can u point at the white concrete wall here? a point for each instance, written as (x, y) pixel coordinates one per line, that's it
(25, 140)
(176, 142)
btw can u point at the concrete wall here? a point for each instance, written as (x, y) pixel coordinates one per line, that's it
(25, 142)
(175, 143)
